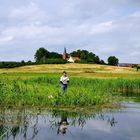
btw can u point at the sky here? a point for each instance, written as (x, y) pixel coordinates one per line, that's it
(105, 27)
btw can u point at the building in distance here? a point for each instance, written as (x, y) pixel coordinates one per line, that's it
(70, 59)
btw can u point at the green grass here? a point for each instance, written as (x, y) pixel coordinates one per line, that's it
(33, 89)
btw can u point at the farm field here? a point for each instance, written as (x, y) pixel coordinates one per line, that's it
(81, 70)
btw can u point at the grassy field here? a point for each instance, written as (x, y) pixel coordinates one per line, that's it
(81, 70)
(90, 85)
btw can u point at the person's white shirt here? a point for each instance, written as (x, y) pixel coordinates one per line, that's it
(64, 79)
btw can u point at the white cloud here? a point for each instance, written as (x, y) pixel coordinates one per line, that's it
(32, 31)
(28, 14)
(103, 49)
(135, 53)
(93, 29)
(135, 14)
(6, 39)
(106, 29)
(102, 27)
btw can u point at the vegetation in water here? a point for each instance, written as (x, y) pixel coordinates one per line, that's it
(15, 122)
(46, 91)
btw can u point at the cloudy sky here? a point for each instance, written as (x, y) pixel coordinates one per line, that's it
(105, 27)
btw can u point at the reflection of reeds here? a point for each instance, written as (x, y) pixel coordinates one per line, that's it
(19, 122)
(46, 90)
(16, 121)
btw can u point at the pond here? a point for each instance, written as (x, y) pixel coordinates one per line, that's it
(47, 124)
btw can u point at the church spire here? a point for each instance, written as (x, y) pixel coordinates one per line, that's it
(65, 54)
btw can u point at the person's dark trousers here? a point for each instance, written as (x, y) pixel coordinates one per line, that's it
(64, 87)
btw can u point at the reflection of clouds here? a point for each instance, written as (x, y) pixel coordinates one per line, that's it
(43, 121)
(135, 138)
(99, 125)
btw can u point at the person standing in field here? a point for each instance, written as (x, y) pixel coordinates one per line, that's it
(64, 80)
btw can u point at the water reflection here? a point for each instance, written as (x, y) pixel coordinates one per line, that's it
(14, 122)
(63, 124)
(64, 120)
(27, 124)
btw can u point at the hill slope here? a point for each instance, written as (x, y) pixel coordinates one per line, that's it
(87, 70)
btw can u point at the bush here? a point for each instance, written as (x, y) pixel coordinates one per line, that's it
(22, 63)
(15, 64)
(55, 61)
(112, 60)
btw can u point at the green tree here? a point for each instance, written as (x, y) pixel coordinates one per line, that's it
(41, 54)
(112, 60)
(97, 59)
(55, 55)
(91, 57)
(102, 62)
(86, 56)
(23, 63)
(137, 67)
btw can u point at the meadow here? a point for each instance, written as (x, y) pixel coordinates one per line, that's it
(90, 85)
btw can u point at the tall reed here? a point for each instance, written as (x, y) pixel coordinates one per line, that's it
(46, 90)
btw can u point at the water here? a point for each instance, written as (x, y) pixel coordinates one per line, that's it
(41, 124)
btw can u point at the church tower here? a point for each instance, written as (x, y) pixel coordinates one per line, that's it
(65, 54)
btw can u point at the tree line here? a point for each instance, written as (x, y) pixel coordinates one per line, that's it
(43, 56)
(12, 64)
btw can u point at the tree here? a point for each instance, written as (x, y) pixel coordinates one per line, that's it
(55, 55)
(91, 57)
(97, 59)
(137, 67)
(102, 62)
(23, 62)
(86, 56)
(112, 60)
(41, 54)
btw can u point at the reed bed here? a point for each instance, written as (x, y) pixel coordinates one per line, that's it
(46, 91)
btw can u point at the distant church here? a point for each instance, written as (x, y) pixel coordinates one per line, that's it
(71, 59)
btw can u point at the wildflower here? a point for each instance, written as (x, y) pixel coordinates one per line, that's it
(50, 96)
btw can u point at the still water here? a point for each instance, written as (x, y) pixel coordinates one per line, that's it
(44, 124)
